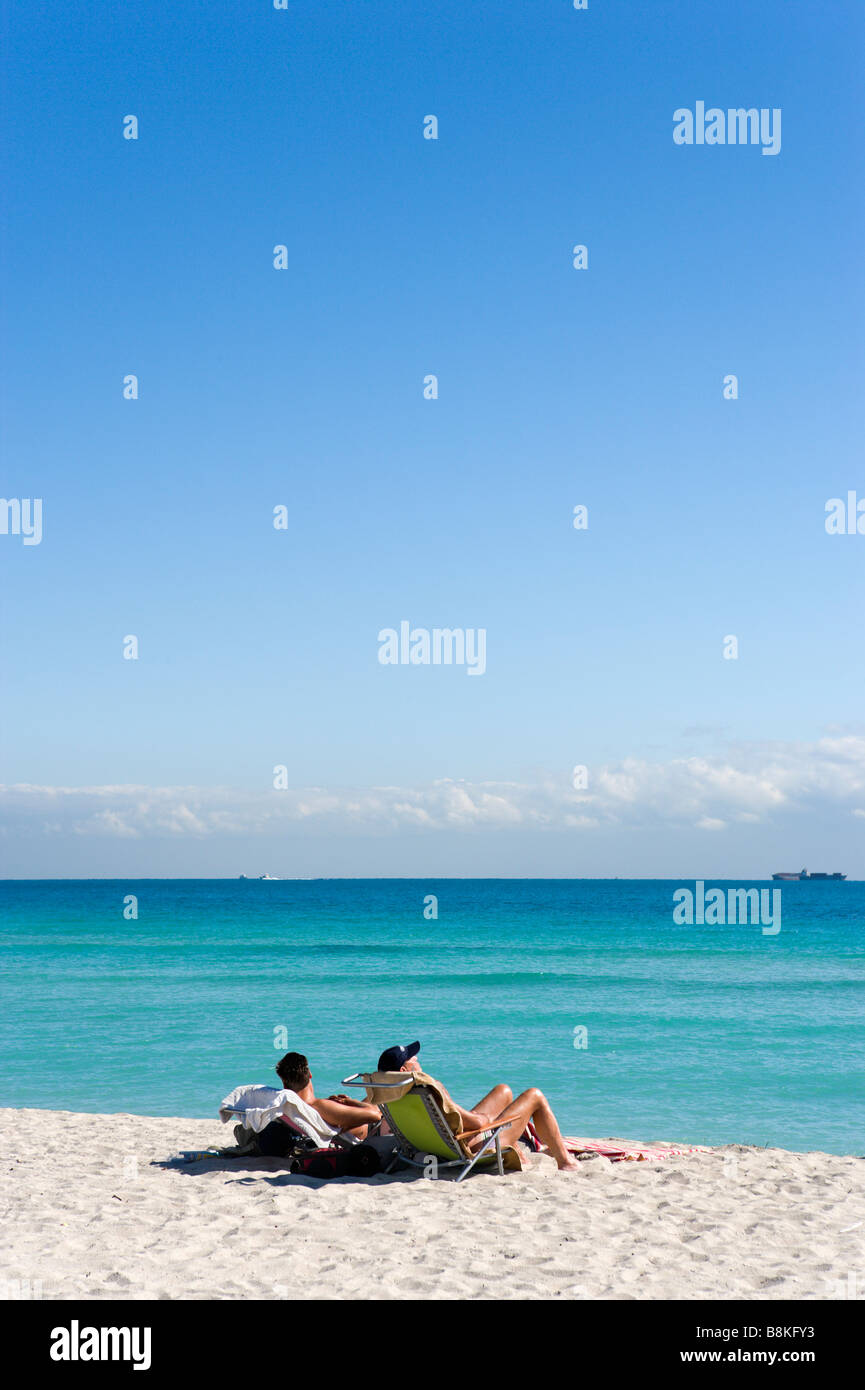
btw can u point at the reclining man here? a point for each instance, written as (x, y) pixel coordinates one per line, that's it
(340, 1112)
(495, 1107)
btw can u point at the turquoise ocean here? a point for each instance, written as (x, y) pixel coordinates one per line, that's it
(707, 1034)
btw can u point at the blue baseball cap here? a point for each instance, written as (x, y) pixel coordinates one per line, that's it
(393, 1058)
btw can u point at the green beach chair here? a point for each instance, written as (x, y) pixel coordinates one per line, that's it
(425, 1126)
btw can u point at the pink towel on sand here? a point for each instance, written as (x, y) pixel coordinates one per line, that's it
(620, 1150)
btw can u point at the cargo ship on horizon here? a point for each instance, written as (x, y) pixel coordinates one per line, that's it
(804, 876)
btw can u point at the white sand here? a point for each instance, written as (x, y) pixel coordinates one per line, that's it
(86, 1215)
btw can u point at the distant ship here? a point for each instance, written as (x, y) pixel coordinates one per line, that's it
(804, 875)
(271, 878)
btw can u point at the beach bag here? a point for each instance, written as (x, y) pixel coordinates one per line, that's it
(279, 1140)
(385, 1147)
(360, 1161)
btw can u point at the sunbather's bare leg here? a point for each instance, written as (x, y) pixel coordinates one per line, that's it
(533, 1105)
(494, 1101)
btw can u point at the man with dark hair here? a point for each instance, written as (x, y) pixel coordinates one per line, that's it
(293, 1072)
(340, 1112)
(498, 1106)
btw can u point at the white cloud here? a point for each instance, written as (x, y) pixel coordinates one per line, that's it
(748, 783)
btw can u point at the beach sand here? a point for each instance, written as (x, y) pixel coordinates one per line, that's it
(90, 1212)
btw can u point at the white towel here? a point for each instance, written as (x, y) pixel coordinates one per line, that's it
(261, 1104)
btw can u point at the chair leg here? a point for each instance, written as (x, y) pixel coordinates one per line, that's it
(480, 1153)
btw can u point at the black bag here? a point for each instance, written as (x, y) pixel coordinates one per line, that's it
(363, 1161)
(279, 1140)
(360, 1161)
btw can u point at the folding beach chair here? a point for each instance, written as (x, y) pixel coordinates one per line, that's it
(258, 1106)
(426, 1126)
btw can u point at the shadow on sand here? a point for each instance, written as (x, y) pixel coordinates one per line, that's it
(274, 1171)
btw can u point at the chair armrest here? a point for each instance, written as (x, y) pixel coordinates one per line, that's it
(484, 1129)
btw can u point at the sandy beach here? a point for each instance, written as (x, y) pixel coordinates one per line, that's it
(91, 1211)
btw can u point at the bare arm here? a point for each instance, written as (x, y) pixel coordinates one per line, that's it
(346, 1116)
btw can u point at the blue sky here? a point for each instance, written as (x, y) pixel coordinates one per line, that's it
(303, 387)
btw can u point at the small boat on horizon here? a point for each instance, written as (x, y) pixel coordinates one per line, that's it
(269, 878)
(804, 876)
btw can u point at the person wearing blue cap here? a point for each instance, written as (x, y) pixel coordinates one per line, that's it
(342, 1113)
(497, 1105)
